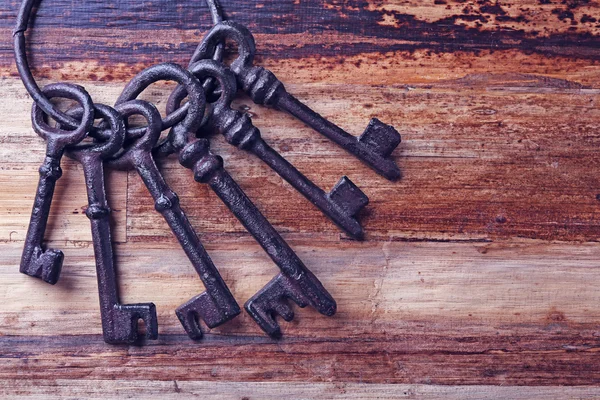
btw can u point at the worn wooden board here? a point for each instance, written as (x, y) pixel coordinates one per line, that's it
(480, 266)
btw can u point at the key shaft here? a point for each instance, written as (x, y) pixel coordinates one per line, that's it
(373, 147)
(239, 131)
(119, 321)
(217, 305)
(221, 307)
(35, 261)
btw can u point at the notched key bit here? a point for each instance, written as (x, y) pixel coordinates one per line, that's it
(239, 131)
(119, 321)
(373, 147)
(217, 305)
(301, 285)
(35, 261)
(195, 155)
(271, 300)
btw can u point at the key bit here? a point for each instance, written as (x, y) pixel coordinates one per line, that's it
(373, 147)
(119, 321)
(271, 300)
(35, 261)
(195, 155)
(208, 168)
(239, 131)
(217, 305)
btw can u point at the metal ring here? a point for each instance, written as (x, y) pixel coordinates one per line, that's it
(207, 69)
(123, 160)
(34, 90)
(105, 149)
(63, 137)
(193, 111)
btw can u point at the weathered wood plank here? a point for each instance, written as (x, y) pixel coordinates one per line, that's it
(118, 389)
(408, 313)
(484, 157)
(166, 390)
(549, 29)
(67, 221)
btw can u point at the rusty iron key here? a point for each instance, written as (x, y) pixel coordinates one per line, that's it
(374, 147)
(119, 321)
(36, 262)
(216, 305)
(295, 281)
(340, 205)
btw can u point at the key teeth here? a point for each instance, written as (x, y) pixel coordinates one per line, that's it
(382, 138)
(47, 265)
(203, 307)
(348, 196)
(124, 329)
(272, 300)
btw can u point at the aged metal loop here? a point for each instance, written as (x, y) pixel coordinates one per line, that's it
(20, 51)
(221, 32)
(191, 114)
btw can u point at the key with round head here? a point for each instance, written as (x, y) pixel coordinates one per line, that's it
(374, 147)
(35, 261)
(119, 321)
(295, 282)
(340, 205)
(216, 305)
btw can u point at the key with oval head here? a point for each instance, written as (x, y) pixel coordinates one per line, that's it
(340, 205)
(216, 305)
(374, 147)
(295, 281)
(36, 262)
(119, 321)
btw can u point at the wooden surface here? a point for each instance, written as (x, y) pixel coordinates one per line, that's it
(481, 266)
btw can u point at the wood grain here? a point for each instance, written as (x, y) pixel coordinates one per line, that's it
(98, 389)
(480, 264)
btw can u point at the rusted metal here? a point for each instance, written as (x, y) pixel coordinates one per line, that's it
(295, 281)
(340, 205)
(119, 321)
(36, 262)
(373, 147)
(216, 305)
(102, 131)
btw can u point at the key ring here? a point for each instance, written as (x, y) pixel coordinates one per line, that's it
(20, 44)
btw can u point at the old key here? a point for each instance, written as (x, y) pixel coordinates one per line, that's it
(217, 305)
(47, 264)
(119, 321)
(340, 205)
(373, 147)
(295, 281)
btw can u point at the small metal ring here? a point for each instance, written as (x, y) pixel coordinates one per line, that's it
(56, 137)
(104, 149)
(193, 111)
(228, 30)
(207, 69)
(123, 160)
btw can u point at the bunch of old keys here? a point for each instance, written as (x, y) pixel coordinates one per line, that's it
(209, 87)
